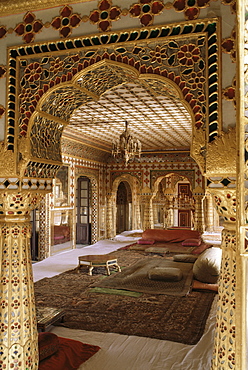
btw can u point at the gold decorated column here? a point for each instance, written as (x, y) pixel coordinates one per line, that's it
(109, 217)
(226, 341)
(210, 221)
(146, 201)
(198, 194)
(136, 218)
(19, 337)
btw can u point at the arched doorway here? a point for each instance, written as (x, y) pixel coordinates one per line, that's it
(123, 207)
(173, 202)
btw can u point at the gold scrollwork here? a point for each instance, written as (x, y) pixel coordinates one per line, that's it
(224, 163)
(24, 154)
(7, 161)
(197, 150)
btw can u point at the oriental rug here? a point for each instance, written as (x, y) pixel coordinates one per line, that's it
(135, 278)
(173, 318)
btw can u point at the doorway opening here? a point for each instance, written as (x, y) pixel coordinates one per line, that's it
(124, 207)
(83, 217)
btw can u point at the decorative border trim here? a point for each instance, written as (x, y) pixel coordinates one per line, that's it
(199, 27)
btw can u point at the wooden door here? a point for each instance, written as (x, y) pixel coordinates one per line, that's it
(184, 218)
(83, 234)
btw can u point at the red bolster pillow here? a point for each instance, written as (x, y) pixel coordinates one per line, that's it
(179, 235)
(146, 241)
(191, 242)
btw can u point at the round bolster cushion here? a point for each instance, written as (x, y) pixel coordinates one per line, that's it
(207, 266)
(165, 274)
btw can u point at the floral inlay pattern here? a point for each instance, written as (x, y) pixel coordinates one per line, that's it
(145, 10)
(104, 15)
(188, 55)
(29, 27)
(229, 92)
(191, 8)
(228, 45)
(66, 21)
(44, 66)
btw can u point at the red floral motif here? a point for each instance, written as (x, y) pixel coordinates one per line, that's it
(66, 21)
(196, 80)
(104, 15)
(56, 65)
(15, 304)
(33, 72)
(188, 55)
(145, 10)
(229, 93)
(228, 45)
(4, 304)
(29, 27)
(3, 327)
(158, 54)
(191, 8)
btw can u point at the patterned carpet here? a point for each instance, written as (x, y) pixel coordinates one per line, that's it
(179, 319)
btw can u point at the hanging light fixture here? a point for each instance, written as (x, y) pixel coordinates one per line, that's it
(126, 147)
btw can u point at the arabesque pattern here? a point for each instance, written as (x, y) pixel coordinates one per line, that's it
(225, 341)
(102, 16)
(19, 344)
(190, 60)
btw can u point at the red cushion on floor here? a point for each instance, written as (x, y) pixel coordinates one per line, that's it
(70, 356)
(48, 344)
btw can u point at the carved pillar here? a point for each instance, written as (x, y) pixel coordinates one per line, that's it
(44, 229)
(155, 213)
(146, 200)
(136, 218)
(226, 342)
(109, 217)
(198, 195)
(209, 213)
(18, 342)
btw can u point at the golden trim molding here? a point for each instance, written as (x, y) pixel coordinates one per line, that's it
(8, 7)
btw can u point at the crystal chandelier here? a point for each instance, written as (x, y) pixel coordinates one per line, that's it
(126, 147)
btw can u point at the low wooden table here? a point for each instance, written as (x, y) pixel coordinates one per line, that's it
(47, 316)
(92, 261)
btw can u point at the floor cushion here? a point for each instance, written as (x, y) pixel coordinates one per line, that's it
(159, 250)
(207, 266)
(175, 236)
(165, 274)
(192, 242)
(146, 241)
(48, 344)
(185, 258)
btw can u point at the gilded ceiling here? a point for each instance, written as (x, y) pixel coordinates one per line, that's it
(160, 122)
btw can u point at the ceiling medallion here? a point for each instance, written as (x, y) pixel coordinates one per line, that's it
(126, 147)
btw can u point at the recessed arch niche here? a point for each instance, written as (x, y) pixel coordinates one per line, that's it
(173, 202)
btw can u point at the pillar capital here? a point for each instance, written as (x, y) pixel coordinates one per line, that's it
(18, 205)
(225, 202)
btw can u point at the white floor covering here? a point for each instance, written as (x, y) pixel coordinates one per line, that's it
(122, 352)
